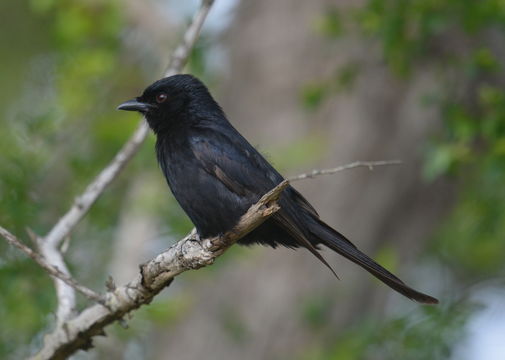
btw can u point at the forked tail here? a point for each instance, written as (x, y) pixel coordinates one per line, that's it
(337, 242)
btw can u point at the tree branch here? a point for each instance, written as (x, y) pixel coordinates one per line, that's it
(83, 203)
(49, 245)
(369, 164)
(187, 254)
(52, 270)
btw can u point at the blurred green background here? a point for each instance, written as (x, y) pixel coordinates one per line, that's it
(313, 84)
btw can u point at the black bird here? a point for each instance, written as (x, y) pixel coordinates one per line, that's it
(216, 175)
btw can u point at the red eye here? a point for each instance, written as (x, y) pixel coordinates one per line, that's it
(162, 97)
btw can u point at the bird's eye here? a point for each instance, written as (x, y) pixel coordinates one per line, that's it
(161, 97)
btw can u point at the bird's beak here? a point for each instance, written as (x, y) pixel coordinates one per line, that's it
(135, 105)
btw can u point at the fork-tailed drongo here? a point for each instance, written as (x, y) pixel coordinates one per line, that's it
(216, 175)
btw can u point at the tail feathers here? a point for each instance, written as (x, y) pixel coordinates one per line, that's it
(337, 242)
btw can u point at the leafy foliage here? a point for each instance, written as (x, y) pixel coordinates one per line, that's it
(461, 41)
(427, 333)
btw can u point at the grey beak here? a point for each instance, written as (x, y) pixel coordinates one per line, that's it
(135, 105)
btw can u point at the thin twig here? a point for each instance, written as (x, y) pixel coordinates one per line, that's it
(54, 271)
(50, 244)
(83, 202)
(369, 164)
(180, 56)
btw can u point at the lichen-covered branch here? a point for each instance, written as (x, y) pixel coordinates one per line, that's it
(187, 254)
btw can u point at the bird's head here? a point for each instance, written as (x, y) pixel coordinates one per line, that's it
(173, 100)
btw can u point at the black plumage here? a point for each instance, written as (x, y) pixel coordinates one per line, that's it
(216, 175)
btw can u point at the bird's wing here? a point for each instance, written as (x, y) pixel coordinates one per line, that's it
(246, 173)
(240, 167)
(234, 163)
